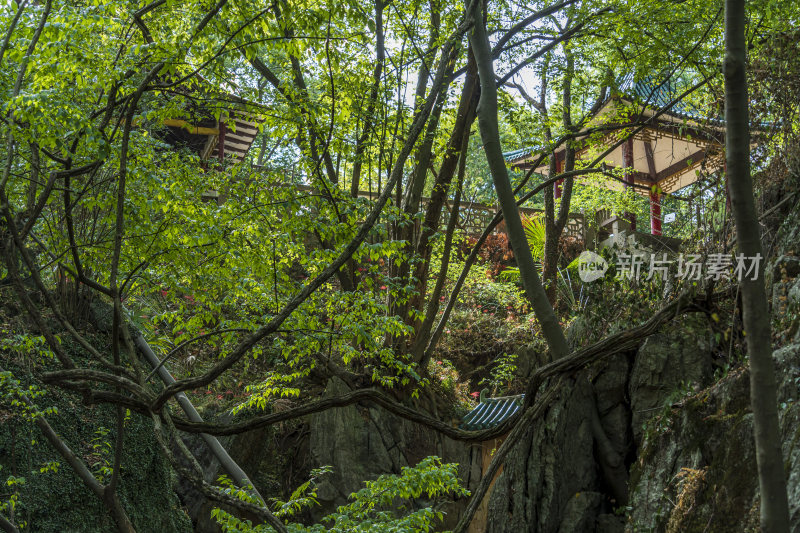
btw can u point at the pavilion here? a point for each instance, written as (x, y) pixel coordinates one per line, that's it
(228, 137)
(216, 125)
(668, 154)
(489, 413)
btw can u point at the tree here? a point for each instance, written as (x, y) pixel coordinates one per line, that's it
(278, 283)
(771, 474)
(487, 116)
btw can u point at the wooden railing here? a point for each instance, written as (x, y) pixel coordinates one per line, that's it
(474, 217)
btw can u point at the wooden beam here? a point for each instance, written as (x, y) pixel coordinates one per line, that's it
(231, 149)
(246, 128)
(683, 164)
(685, 131)
(651, 160)
(233, 144)
(211, 143)
(241, 136)
(191, 128)
(641, 177)
(221, 142)
(247, 141)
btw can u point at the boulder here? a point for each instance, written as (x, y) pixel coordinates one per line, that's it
(544, 474)
(667, 364)
(696, 469)
(361, 442)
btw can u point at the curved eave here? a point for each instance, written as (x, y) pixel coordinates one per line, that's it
(491, 412)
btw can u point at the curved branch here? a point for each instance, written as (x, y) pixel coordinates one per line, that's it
(362, 395)
(190, 341)
(109, 498)
(210, 491)
(88, 374)
(11, 27)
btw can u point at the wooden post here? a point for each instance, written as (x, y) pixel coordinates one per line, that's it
(655, 192)
(627, 161)
(655, 213)
(221, 143)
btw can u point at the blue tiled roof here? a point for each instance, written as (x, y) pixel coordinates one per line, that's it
(491, 412)
(522, 152)
(651, 91)
(658, 93)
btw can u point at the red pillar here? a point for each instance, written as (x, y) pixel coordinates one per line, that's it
(559, 170)
(655, 213)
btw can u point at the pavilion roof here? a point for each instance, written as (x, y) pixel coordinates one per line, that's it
(491, 412)
(669, 151)
(658, 94)
(199, 130)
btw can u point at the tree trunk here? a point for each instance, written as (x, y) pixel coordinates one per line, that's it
(412, 199)
(380, 56)
(555, 222)
(423, 335)
(454, 155)
(490, 134)
(771, 474)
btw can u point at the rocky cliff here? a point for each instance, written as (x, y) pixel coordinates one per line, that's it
(676, 411)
